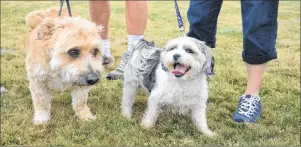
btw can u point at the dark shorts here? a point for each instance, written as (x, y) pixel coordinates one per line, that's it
(259, 21)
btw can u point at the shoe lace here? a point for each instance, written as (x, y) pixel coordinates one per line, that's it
(248, 106)
(141, 62)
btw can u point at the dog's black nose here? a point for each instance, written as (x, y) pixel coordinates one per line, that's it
(92, 79)
(176, 56)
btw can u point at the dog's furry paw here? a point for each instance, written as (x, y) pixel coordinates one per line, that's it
(209, 133)
(126, 113)
(85, 114)
(87, 117)
(147, 124)
(41, 118)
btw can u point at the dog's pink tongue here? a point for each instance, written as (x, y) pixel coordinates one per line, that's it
(179, 69)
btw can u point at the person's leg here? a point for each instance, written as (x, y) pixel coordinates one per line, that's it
(99, 12)
(202, 16)
(255, 74)
(259, 41)
(136, 20)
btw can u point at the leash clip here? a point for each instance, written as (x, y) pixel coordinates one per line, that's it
(182, 29)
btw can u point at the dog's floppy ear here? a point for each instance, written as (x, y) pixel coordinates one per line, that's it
(208, 66)
(162, 65)
(46, 29)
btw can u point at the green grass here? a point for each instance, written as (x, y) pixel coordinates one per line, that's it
(279, 125)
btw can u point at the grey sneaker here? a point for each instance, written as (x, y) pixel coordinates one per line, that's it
(119, 70)
(107, 60)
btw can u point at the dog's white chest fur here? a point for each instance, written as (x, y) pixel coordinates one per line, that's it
(179, 93)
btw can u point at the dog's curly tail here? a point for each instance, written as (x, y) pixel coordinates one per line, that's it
(34, 18)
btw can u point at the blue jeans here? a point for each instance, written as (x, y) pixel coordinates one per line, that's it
(259, 22)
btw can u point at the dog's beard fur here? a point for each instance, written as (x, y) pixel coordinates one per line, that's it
(75, 71)
(191, 58)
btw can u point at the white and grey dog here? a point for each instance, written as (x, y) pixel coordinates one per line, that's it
(174, 76)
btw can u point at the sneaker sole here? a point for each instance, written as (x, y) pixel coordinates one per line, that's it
(109, 65)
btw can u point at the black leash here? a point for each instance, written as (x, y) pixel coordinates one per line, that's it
(68, 6)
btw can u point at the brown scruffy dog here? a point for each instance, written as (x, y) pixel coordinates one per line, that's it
(64, 53)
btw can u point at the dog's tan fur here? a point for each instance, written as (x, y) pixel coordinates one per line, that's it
(49, 65)
(34, 18)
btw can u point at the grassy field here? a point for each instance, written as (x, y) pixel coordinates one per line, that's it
(279, 125)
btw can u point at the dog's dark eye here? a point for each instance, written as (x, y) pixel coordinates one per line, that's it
(95, 52)
(74, 52)
(189, 50)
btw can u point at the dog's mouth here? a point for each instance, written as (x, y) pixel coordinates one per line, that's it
(180, 69)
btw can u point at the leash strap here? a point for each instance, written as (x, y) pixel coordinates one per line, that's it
(179, 18)
(61, 7)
